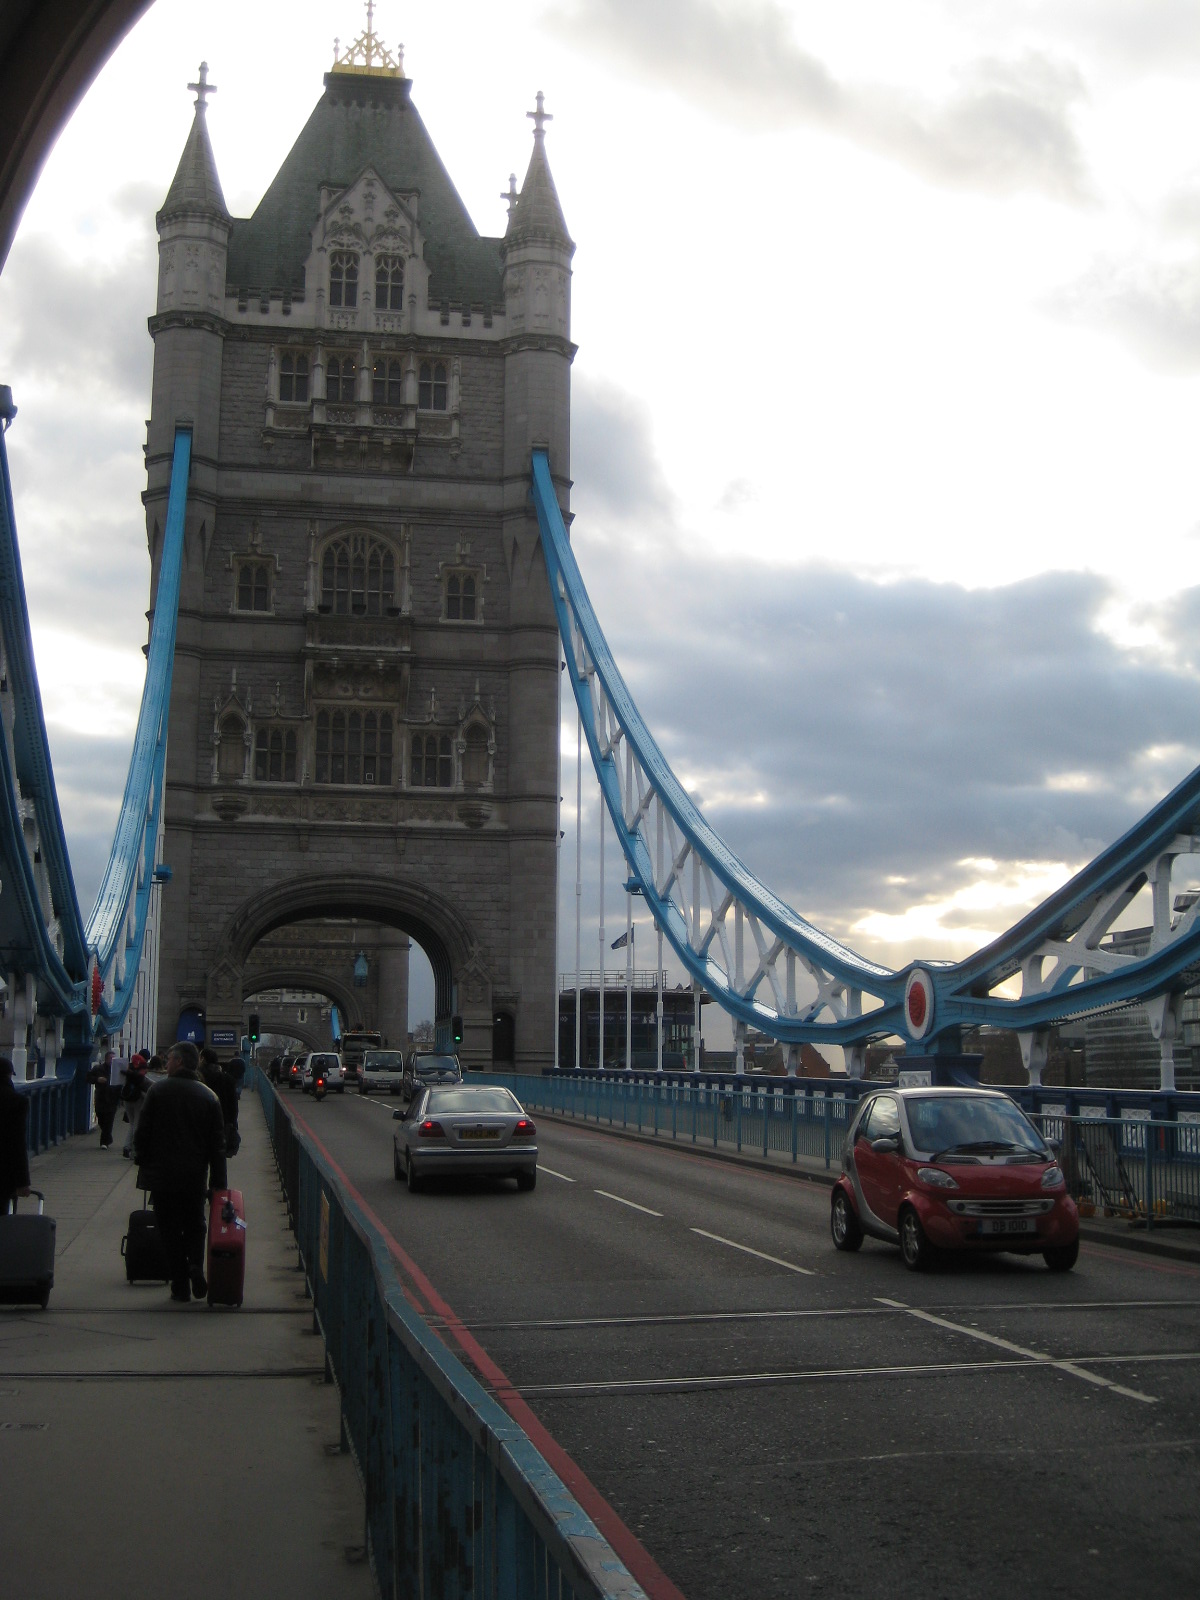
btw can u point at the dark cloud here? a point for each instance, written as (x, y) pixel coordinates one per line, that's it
(612, 455)
(852, 733)
(1006, 129)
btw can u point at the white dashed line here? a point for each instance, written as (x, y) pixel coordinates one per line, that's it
(632, 1204)
(775, 1261)
(1037, 1356)
(550, 1173)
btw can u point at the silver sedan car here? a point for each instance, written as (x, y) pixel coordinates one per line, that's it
(464, 1128)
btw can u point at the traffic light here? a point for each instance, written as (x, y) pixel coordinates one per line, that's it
(253, 1029)
(456, 1029)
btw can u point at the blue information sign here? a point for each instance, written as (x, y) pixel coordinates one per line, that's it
(223, 1038)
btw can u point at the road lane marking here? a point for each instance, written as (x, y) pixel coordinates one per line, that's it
(717, 1238)
(550, 1173)
(1073, 1369)
(632, 1204)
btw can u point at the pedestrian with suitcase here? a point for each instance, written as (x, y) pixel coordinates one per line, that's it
(180, 1148)
(14, 1144)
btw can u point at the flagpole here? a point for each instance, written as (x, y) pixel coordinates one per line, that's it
(578, 872)
(629, 932)
(660, 1001)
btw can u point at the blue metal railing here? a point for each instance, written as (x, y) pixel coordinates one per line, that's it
(1144, 1166)
(458, 1501)
(53, 1112)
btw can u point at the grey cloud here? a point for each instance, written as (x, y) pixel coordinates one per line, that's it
(894, 731)
(1007, 129)
(89, 775)
(612, 457)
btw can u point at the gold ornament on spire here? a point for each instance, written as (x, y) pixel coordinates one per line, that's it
(368, 55)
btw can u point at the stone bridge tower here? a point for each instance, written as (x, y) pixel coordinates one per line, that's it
(364, 712)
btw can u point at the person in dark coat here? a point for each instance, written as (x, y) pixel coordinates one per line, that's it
(14, 1149)
(180, 1148)
(133, 1093)
(108, 1098)
(222, 1085)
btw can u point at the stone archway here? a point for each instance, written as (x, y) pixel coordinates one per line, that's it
(462, 981)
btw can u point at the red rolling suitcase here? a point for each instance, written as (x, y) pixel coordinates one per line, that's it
(226, 1248)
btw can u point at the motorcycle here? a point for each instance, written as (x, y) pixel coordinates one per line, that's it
(319, 1090)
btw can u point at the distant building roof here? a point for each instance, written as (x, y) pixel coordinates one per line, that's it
(363, 120)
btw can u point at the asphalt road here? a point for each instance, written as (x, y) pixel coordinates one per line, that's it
(770, 1418)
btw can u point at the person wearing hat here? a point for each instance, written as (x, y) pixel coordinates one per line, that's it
(14, 1148)
(133, 1095)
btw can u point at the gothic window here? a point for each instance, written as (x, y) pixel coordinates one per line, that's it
(432, 387)
(358, 577)
(253, 586)
(275, 755)
(293, 380)
(343, 278)
(460, 596)
(339, 379)
(432, 762)
(475, 757)
(231, 751)
(387, 383)
(354, 747)
(389, 283)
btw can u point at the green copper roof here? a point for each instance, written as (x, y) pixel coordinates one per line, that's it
(363, 122)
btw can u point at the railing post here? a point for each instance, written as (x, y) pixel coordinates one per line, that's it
(795, 1146)
(1148, 1136)
(828, 1111)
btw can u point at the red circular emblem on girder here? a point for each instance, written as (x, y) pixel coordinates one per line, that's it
(916, 1006)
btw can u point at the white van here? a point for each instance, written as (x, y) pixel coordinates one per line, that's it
(380, 1070)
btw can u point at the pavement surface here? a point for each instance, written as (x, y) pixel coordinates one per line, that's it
(153, 1448)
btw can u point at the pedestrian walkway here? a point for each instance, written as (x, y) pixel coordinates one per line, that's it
(152, 1448)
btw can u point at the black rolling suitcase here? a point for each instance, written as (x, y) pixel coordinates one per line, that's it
(27, 1255)
(143, 1249)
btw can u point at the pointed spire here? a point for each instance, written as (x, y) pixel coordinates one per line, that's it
(536, 213)
(195, 188)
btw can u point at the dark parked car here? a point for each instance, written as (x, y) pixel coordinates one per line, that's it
(952, 1169)
(429, 1066)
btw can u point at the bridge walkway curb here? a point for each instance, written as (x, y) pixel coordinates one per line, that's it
(148, 1447)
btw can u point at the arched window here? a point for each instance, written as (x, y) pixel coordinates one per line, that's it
(432, 761)
(231, 751)
(340, 375)
(387, 383)
(354, 747)
(358, 577)
(343, 278)
(389, 283)
(460, 596)
(432, 387)
(293, 380)
(275, 755)
(475, 757)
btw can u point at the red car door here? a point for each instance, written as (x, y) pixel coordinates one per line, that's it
(880, 1172)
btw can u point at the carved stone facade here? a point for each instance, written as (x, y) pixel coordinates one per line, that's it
(364, 708)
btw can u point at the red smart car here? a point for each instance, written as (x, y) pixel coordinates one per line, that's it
(952, 1169)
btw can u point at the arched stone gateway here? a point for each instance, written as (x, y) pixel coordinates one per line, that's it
(462, 979)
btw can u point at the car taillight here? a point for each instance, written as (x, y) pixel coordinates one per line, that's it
(524, 1129)
(431, 1130)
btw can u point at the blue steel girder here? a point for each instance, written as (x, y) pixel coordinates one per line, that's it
(116, 929)
(767, 966)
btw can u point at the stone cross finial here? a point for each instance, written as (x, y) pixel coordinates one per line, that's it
(203, 89)
(511, 195)
(539, 118)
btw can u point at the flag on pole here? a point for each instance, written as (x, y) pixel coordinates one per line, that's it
(619, 944)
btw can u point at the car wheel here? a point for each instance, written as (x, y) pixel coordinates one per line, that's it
(843, 1224)
(527, 1181)
(914, 1246)
(1062, 1257)
(414, 1183)
(397, 1169)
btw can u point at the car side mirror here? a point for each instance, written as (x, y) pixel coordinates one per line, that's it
(397, 1116)
(887, 1146)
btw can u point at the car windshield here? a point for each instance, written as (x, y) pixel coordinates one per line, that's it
(384, 1060)
(970, 1124)
(470, 1098)
(430, 1066)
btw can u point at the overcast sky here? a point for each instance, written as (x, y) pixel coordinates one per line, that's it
(884, 409)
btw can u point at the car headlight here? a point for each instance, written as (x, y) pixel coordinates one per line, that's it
(935, 1178)
(1052, 1178)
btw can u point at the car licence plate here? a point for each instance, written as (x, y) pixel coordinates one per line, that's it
(479, 1133)
(1007, 1225)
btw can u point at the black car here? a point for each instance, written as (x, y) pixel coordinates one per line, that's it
(425, 1067)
